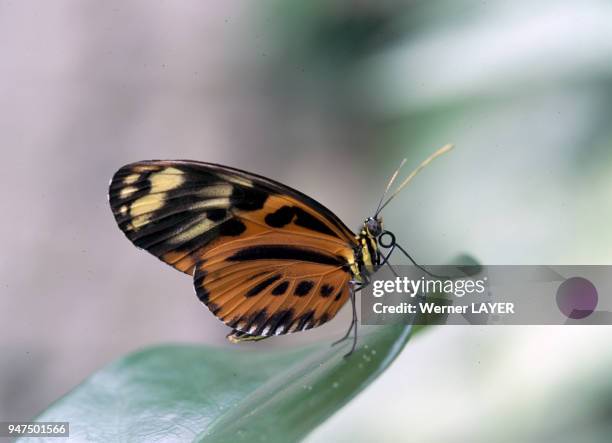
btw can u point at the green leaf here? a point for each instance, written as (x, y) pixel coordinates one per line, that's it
(183, 393)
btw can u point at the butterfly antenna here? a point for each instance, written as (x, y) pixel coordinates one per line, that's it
(391, 180)
(443, 150)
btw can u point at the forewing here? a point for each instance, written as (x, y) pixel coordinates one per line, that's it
(180, 211)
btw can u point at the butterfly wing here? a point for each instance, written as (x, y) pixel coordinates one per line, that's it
(199, 217)
(176, 210)
(269, 286)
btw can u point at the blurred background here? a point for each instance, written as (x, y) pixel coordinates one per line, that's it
(328, 97)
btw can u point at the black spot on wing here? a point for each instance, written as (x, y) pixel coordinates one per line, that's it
(338, 295)
(280, 252)
(248, 199)
(231, 228)
(326, 290)
(303, 288)
(305, 220)
(261, 286)
(216, 214)
(280, 289)
(286, 214)
(280, 217)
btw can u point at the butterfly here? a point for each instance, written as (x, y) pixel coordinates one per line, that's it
(265, 258)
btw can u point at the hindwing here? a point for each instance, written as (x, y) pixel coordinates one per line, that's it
(273, 287)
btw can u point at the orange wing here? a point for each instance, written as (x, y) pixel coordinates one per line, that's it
(267, 285)
(204, 219)
(177, 210)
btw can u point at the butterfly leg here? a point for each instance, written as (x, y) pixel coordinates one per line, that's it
(354, 288)
(353, 322)
(350, 328)
(352, 295)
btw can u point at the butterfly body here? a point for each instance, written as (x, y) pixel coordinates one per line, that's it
(265, 258)
(369, 251)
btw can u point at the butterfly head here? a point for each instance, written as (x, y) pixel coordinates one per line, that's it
(373, 226)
